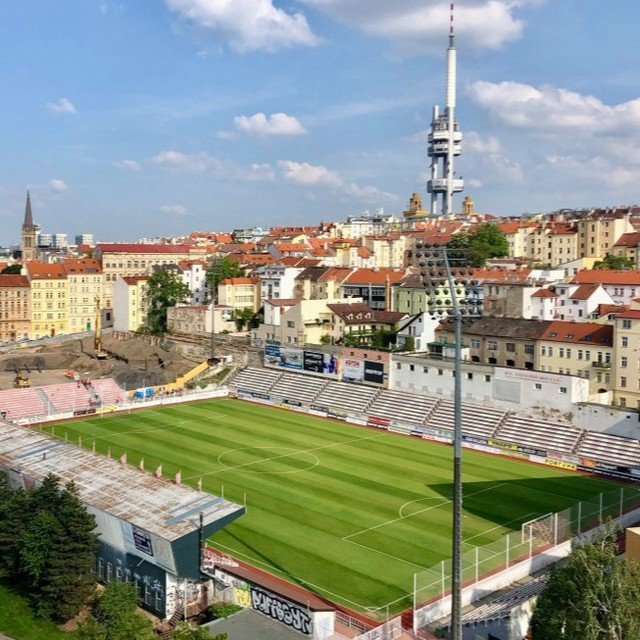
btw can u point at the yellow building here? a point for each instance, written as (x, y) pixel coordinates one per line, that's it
(84, 283)
(15, 311)
(239, 293)
(49, 298)
(578, 349)
(626, 363)
(135, 259)
(130, 303)
(600, 231)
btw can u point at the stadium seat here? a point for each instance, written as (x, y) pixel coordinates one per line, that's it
(609, 448)
(538, 434)
(300, 388)
(404, 406)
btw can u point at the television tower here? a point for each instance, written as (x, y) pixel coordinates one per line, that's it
(445, 140)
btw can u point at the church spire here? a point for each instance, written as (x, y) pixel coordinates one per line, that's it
(28, 216)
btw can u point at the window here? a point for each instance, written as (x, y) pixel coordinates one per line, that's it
(412, 367)
(398, 365)
(511, 347)
(550, 351)
(623, 402)
(529, 349)
(624, 341)
(563, 389)
(475, 343)
(425, 369)
(626, 324)
(579, 354)
(543, 351)
(440, 372)
(568, 353)
(492, 345)
(538, 386)
(291, 324)
(623, 361)
(561, 352)
(587, 355)
(469, 376)
(487, 378)
(623, 381)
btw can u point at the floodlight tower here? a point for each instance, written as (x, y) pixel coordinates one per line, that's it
(445, 139)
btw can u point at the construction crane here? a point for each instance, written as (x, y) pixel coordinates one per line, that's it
(98, 351)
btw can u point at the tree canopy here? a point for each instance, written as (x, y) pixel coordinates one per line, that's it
(14, 269)
(165, 289)
(614, 262)
(594, 595)
(221, 269)
(476, 247)
(47, 545)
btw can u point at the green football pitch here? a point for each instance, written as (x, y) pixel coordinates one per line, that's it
(348, 512)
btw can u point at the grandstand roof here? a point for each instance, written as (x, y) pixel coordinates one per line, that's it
(167, 510)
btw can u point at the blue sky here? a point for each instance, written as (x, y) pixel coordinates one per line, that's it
(148, 117)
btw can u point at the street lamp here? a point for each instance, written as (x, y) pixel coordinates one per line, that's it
(452, 296)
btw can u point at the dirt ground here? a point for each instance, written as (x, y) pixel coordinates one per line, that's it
(133, 362)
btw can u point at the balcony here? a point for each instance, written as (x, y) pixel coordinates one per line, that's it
(601, 364)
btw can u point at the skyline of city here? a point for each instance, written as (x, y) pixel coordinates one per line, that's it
(181, 116)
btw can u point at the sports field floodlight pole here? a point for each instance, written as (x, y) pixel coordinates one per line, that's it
(451, 297)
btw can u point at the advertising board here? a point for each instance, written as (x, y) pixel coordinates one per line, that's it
(352, 370)
(373, 372)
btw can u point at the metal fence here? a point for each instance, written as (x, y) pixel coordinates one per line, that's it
(534, 537)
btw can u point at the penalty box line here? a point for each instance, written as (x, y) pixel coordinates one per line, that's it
(442, 504)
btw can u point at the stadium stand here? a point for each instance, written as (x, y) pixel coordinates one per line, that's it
(346, 396)
(545, 436)
(253, 379)
(403, 406)
(108, 391)
(66, 397)
(477, 420)
(609, 448)
(295, 387)
(22, 403)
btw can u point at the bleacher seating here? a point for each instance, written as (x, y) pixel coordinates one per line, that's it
(297, 387)
(22, 403)
(65, 397)
(347, 396)
(538, 434)
(108, 391)
(254, 379)
(609, 448)
(477, 420)
(409, 407)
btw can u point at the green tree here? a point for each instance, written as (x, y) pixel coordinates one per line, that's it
(476, 247)
(116, 617)
(619, 263)
(184, 631)
(223, 609)
(14, 269)
(165, 289)
(14, 510)
(242, 317)
(221, 269)
(383, 338)
(594, 595)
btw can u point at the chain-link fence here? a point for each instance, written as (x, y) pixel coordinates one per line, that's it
(534, 537)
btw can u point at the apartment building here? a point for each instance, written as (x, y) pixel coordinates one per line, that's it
(320, 283)
(194, 274)
(625, 370)
(372, 285)
(84, 285)
(627, 246)
(579, 349)
(130, 302)
(49, 298)
(136, 259)
(622, 286)
(599, 231)
(239, 293)
(15, 311)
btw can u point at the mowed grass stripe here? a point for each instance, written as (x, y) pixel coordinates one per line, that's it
(311, 482)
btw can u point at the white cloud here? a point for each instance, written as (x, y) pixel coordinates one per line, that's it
(277, 124)
(174, 209)
(308, 175)
(248, 25)
(550, 109)
(220, 169)
(58, 186)
(418, 26)
(489, 161)
(62, 106)
(131, 165)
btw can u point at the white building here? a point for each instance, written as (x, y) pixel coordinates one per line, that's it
(194, 274)
(569, 301)
(276, 281)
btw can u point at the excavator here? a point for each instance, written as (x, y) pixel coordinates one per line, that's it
(98, 351)
(21, 381)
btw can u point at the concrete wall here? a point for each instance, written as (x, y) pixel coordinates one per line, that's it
(607, 419)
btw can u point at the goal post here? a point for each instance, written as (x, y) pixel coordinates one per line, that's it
(542, 528)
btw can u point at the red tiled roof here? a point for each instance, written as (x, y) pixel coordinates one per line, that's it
(13, 280)
(607, 276)
(75, 266)
(606, 309)
(579, 333)
(544, 293)
(628, 240)
(283, 302)
(361, 313)
(45, 271)
(585, 291)
(632, 314)
(375, 276)
(235, 281)
(291, 246)
(125, 247)
(131, 280)
(501, 275)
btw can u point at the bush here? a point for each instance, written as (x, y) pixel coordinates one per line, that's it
(223, 609)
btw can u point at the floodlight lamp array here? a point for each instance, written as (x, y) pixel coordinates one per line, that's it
(451, 290)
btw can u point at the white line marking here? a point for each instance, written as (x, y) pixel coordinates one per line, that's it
(478, 535)
(448, 501)
(286, 455)
(225, 466)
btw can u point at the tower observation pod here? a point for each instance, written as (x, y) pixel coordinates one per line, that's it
(445, 141)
